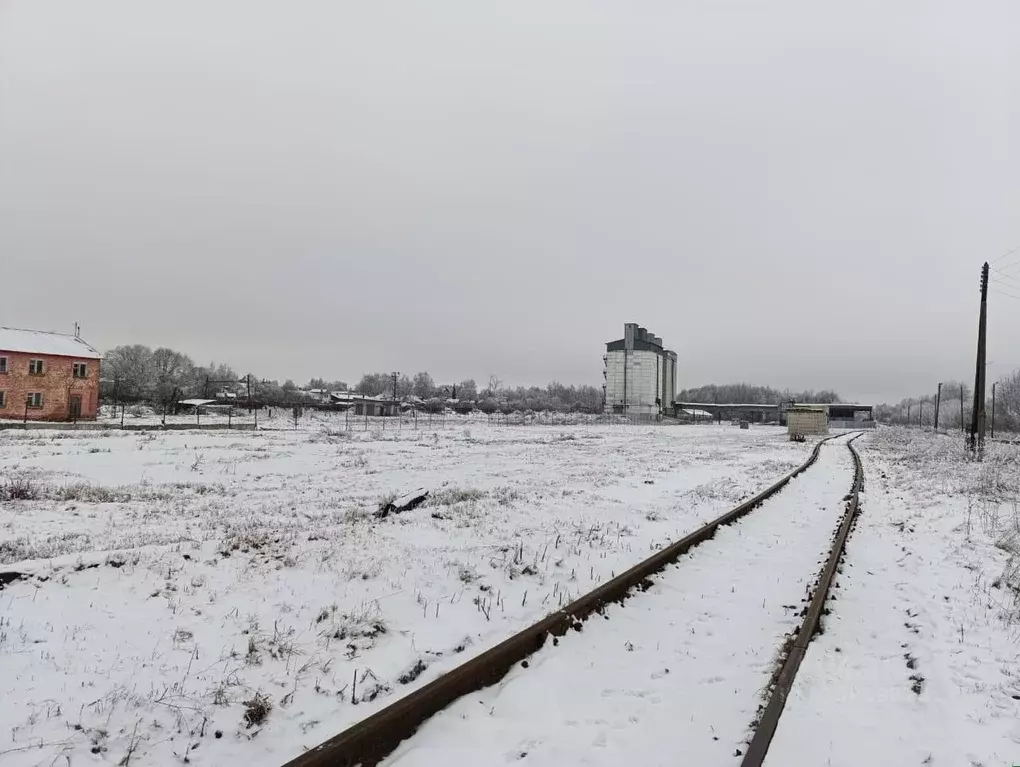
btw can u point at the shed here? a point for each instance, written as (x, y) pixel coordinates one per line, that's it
(807, 420)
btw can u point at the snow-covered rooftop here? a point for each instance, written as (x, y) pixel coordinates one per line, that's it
(39, 342)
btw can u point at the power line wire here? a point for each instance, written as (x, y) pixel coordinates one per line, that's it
(1008, 252)
(1004, 293)
(1007, 281)
(1001, 273)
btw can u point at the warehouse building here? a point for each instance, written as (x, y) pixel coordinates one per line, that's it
(640, 374)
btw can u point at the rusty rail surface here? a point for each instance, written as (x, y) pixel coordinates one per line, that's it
(758, 748)
(369, 741)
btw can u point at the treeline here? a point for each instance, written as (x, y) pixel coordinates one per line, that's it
(491, 398)
(956, 406)
(164, 376)
(742, 393)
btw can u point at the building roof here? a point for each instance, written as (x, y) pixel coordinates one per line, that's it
(726, 405)
(349, 396)
(39, 342)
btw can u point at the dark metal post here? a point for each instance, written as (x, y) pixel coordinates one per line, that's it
(977, 418)
(993, 408)
(938, 403)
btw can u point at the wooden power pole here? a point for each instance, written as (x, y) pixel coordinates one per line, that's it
(977, 417)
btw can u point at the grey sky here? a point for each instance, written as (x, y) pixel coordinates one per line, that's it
(787, 193)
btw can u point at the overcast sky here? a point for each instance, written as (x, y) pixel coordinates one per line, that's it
(787, 193)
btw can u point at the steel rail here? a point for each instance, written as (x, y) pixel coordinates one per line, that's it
(758, 748)
(369, 741)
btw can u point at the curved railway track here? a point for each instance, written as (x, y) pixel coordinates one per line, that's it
(370, 741)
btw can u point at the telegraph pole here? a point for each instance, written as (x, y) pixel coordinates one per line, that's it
(938, 402)
(977, 421)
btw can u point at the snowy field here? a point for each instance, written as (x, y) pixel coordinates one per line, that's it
(227, 597)
(920, 661)
(676, 671)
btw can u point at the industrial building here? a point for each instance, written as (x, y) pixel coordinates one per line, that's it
(840, 415)
(640, 374)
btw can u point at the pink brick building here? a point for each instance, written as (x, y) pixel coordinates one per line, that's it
(47, 376)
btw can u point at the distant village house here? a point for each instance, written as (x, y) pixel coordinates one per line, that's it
(47, 376)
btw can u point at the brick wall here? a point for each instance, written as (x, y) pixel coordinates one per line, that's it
(57, 384)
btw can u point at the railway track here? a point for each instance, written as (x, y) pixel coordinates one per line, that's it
(683, 667)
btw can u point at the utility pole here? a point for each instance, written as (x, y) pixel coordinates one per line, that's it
(993, 408)
(938, 402)
(977, 422)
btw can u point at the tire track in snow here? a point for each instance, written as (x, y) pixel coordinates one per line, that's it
(678, 671)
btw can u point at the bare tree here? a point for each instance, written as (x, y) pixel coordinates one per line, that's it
(172, 371)
(1007, 402)
(467, 390)
(132, 371)
(423, 385)
(374, 384)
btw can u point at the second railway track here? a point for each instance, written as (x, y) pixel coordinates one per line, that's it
(678, 673)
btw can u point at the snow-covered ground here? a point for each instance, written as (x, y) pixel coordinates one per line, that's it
(175, 582)
(675, 674)
(920, 662)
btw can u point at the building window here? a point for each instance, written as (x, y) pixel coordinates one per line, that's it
(81, 370)
(3, 399)
(3, 365)
(35, 400)
(35, 367)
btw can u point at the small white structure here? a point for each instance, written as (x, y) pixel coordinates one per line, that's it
(640, 374)
(807, 420)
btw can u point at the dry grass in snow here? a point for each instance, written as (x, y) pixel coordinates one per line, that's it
(229, 597)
